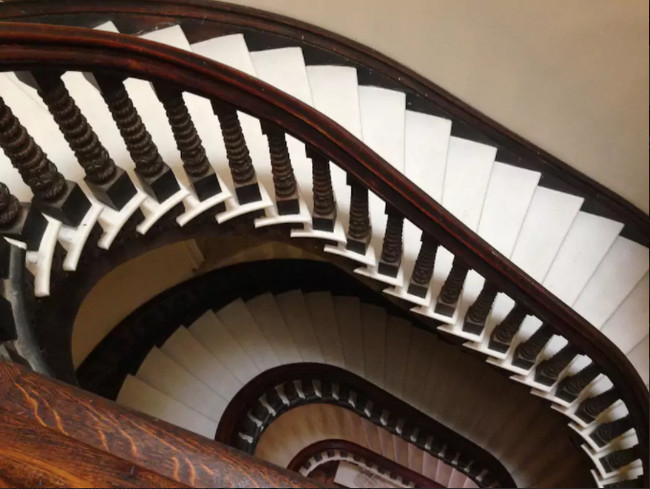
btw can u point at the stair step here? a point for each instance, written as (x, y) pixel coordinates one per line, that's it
(323, 318)
(210, 331)
(284, 68)
(161, 372)
(190, 354)
(230, 50)
(296, 314)
(373, 320)
(138, 395)
(348, 318)
(266, 314)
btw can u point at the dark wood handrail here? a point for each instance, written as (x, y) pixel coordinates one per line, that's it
(512, 148)
(30, 46)
(126, 444)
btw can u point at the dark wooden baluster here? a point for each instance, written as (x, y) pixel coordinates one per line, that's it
(110, 184)
(505, 331)
(284, 181)
(359, 230)
(478, 312)
(590, 408)
(606, 432)
(324, 212)
(239, 159)
(527, 351)
(570, 387)
(423, 268)
(450, 292)
(549, 370)
(53, 195)
(195, 162)
(391, 252)
(156, 178)
(20, 221)
(620, 458)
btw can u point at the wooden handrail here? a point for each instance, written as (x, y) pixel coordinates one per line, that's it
(58, 421)
(30, 46)
(422, 94)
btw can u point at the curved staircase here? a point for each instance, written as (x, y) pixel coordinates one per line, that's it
(579, 256)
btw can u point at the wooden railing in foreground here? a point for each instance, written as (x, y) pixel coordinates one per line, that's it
(53, 434)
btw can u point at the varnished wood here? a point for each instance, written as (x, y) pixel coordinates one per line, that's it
(67, 48)
(32, 455)
(9, 207)
(137, 439)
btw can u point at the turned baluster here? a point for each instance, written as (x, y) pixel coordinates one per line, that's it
(20, 221)
(110, 184)
(620, 458)
(423, 268)
(284, 181)
(202, 177)
(526, 353)
(606, 432)
(570, 387)
(391, 252)
(549, 370)
(478, 312)
(156, 178)
(324, 212)
(450, 292)
(590, 408)
(505, 331)
(359, 230)
(53, 195)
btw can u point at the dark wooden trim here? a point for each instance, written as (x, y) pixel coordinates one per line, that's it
(205, 18)
(30, 46)
(234, 417)
(139, 440)
(393, 468)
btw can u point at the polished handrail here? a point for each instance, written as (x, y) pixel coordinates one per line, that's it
(30, 46)
(426, 95)
(69, 418)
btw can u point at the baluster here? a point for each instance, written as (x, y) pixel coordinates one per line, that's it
(570, 387)
(391, 252)
(109, 183)
(156, 178)
(606, 432)
(590, 408)
(423, 268)
(195, 162)
(450, 292)
(359, 230)
(239, 159)
(620, 458)
(284, 181)
(324, 212)
(20, 221)
(527, 351)
(478, 312)
(53, 195)
(549, 370)
(505, 331)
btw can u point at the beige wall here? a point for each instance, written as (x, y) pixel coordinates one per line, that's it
(569, 75)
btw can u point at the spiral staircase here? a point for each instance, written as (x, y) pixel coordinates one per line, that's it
(522, 341)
